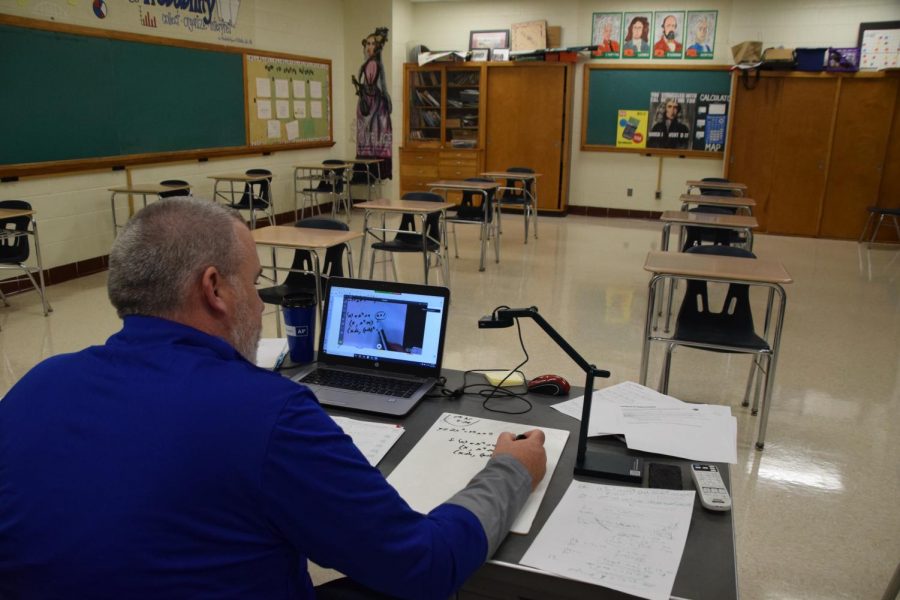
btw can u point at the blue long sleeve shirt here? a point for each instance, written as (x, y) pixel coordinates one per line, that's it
(164, 465)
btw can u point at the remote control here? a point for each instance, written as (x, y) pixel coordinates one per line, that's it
(710, 486)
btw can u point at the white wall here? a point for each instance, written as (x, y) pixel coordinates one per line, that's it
(602, 178)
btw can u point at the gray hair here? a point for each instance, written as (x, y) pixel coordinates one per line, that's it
(164, 248)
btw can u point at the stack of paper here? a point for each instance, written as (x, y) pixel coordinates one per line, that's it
(654, 422)
(373, 439)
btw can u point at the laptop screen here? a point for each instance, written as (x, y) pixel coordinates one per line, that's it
(387, 325)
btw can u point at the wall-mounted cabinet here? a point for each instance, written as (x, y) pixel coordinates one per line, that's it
(463, 119)
(815, 149)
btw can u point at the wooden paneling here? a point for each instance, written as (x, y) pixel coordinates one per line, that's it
(800, 161)
(857, 155)
(753, 127)
(889, 194)
(526, 124)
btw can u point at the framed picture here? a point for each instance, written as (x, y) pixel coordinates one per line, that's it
(479, 55)
(701, 34)
(668, 34)
(489, 38)
(636, 42)
(606, 35)
(879, 45)
(500, 54)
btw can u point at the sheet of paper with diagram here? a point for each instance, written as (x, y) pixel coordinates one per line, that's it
(454, 450)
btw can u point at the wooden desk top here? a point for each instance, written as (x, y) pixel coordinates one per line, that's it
(458, 184)
(410, 206)
(362, 161)
(686, 264)
(735, 201)
(321, 167)
(147, 188)
(709, 219)
(717, 185)
(288, 236)
(240, 177)
(9, 213)
(512, 175)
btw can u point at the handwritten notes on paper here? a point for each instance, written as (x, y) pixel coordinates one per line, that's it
(373, 439)
(623, 538)
(454, 450)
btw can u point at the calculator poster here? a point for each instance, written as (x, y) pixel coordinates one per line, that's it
(710, 122)
(631, 129)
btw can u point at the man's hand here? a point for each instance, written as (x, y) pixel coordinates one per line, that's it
(529, 451)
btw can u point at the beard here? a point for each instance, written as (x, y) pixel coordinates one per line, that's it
(247, 328)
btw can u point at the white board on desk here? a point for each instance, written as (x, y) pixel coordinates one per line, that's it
(454, 450)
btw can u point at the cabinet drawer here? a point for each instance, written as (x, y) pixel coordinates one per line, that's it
(459, 155)
(459, 163)
(408, 157)
(415, 170)
(458, 171)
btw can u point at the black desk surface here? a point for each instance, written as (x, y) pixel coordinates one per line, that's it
(708, 567)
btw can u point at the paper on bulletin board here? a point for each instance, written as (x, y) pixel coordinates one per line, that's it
(454, 450)
(631, 129)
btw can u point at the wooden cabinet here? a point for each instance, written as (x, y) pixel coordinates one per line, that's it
(463, 119)
(813, 149)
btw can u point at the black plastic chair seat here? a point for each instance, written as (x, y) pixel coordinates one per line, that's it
(244, 204)
(709, 332)
(888, 212)
(410, 242)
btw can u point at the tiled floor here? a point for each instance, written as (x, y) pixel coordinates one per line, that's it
(817, 512)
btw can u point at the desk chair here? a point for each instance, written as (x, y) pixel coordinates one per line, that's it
(332, 183)
(368, 175)
(257, 196)
(15, 249)
(301, 278)
(893, 213)
(407, 240)
(467, 213)
(729, 330)
(175, 193)
(697, 236)
(520, 195)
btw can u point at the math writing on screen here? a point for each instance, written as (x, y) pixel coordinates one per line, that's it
(363, 322)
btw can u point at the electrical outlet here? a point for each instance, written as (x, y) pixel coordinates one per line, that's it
(658, 195)
(629, 192)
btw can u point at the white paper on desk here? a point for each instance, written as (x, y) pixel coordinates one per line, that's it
(606, 416)
(263, 87)
(315, 89)
(300, 109)
(701, 432)
(292, 128)
(282, 109)
(264, 109)
(373, 439)
(299, 89)
(282, 90)
(454, 450)
(274, 128)
(624, 538)
(270, 352)
(315, 109)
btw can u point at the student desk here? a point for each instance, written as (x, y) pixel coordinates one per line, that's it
(310, 174)
(421, 209)
(708, 565)
(229, 195)
(143, 190)
(531, 196)
(11, 213)
(738, 189)
(769, 274)
(303, 238)
(739, 203)
(485, 189)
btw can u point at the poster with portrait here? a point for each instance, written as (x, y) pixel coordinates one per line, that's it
(668, 34)
(701, 34)
(631, 129)
(606, 35)
(672, 116)
(636, 39)
(710, 122)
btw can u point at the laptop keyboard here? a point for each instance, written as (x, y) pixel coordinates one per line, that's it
(361, 382)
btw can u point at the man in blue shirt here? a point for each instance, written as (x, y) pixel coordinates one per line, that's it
(165, 464)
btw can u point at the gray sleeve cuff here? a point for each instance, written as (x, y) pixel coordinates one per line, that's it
(495, 496)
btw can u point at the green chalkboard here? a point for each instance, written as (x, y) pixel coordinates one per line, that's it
(68, 96)
(609, 90)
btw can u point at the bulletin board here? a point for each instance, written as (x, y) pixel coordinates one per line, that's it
(288, 100)
(617, 95)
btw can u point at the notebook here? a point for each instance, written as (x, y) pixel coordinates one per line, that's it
(380, 345)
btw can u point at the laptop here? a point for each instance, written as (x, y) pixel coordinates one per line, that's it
(380, 345)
